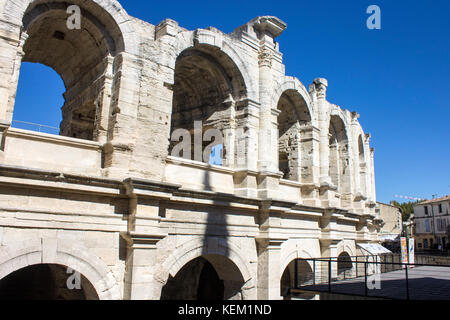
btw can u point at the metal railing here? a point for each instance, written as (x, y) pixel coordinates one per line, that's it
(35, 127)
(383, 277)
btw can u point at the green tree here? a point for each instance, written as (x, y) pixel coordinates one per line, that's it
(406, 207)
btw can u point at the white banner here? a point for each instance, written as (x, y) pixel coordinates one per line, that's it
(411, 251)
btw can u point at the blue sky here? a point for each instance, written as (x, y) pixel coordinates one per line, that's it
(397, 78)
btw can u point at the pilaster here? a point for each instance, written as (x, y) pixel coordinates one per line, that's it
(141, 258)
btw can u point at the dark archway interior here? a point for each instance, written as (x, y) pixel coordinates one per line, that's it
(198, 280)
(344, 264)
(210, 277)
(207, 87)
(293, 114)
(339, 155)
(44, 282)
(304, 275)
(79, 56)
(362, 166)
(210, 287)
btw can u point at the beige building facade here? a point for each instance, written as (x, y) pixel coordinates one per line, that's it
(108, 198)
(432, 224)
(392, 226)
(392, 221)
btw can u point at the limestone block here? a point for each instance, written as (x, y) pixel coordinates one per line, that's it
(109, 255)
(49, 248)
(14, 235)
(100, 239)
(71, 235)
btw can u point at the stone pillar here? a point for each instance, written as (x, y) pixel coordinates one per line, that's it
(246, 136)
(269, 243)
(367, 167)
(372, 175)
(246, 142)
(346, 173)
(319, 88)
(269, 273)
(123, 117)
(11, 56)
(104, 105)
(266, 129)
(140, 283)
(268, 178)
(309, 143)
(357, 163)
(329, 249)
(309, 164)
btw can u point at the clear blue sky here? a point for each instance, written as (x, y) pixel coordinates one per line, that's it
(397, 78)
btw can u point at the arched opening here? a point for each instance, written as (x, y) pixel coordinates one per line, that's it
(39, 99)
(82, 57)
(305, 276)
(46, 282)
(362, 166)
(339, 160)
(208, 85)
(293, 115)
(345, 266)
(210, 277)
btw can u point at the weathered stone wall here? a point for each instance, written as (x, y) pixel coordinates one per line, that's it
(297, 179)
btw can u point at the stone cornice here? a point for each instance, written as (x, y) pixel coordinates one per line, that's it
(142, 241)
(269, 24)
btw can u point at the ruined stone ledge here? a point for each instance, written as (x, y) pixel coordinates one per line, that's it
(39, 136)
(198, 165)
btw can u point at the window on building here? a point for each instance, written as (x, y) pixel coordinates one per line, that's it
(441, 225)
(419, 245)
(426, 210)
(425, 243)
(427, 226)
(440, 208)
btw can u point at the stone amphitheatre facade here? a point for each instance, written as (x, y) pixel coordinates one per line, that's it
(106, 198)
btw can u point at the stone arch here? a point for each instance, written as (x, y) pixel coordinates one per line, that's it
(46, 282)
(61, 252)
(294, 84)
(362, 162)
(295, 121)
(294, 251)
(212, 246)
(190, 39)
(209, 86)
(14, 11)
(344, 265)
(86, 59)
(340, 164)
(345, 247)
(295, 254)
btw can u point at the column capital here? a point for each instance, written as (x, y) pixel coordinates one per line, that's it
(330, 242)
(265, 57)
(270, 242)
(142, 241)
(319, 87)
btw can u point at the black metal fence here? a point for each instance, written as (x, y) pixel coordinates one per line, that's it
(373, 276)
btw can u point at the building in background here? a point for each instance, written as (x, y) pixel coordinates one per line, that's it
(432, 224)
(392, 228)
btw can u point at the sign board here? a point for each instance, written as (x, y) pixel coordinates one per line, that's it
(411, 253)
(374, 249)
(404, 245)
